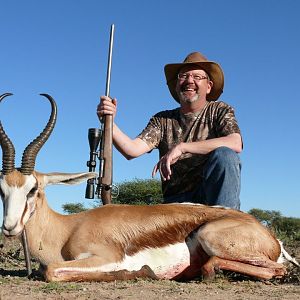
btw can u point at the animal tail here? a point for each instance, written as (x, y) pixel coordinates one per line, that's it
(284, 256)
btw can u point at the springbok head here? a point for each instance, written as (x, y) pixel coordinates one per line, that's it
(18, 187)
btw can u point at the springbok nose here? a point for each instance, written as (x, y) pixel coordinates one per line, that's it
(9, 227)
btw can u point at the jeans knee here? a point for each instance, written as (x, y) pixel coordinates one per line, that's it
(225, 156)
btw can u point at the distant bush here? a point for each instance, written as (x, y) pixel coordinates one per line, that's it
(285, 228)
(136, 191)
(73, 208)
(140, 191)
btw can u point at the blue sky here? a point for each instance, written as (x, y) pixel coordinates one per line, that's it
(60, 48)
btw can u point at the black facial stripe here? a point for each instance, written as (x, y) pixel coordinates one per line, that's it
(33, 190)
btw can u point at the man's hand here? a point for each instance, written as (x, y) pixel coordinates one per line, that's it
(107, 106)
(164, 164)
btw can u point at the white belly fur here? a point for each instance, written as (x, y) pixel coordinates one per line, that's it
(166, 262)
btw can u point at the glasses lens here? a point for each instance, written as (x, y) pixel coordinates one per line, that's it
(197, 77)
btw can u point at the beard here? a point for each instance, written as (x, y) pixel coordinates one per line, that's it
(185, 99)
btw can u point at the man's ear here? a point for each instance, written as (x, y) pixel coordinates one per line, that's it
(209, 86)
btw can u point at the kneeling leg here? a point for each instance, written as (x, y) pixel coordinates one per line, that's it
(241, 245)
(89, 270)
(217, 263)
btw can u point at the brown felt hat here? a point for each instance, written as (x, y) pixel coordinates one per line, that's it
(213, 70)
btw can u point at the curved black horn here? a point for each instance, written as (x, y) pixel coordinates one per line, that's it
(31, 151)
(8, 149)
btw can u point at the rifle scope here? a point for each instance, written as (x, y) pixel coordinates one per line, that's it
(94, 137)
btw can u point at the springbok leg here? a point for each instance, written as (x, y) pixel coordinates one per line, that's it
(266, 273)
(240, 245)
(88, 270)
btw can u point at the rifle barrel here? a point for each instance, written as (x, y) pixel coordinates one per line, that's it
(108, 73)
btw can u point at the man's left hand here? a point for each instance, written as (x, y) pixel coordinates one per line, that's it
(164, 164)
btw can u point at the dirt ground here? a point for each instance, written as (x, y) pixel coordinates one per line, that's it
(14, 284)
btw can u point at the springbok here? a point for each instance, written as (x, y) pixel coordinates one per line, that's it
(120, 242)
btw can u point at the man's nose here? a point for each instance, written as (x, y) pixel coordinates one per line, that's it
(190, 78)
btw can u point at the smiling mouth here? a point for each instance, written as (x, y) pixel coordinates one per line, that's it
(188, 89)
(188, 92)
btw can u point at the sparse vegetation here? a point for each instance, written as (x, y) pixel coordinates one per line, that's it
(137, 191)
(56, 287)
(140, 191)
(285, 228)
(73, 208)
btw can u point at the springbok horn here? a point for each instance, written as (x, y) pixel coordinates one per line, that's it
(31, 151)
(8, 149)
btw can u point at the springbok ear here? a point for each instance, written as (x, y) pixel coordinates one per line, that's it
(67, 178)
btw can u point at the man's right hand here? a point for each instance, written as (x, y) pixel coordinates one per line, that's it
(107, 106)
(130, 148)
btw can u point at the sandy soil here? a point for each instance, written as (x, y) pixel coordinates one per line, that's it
(21, 288)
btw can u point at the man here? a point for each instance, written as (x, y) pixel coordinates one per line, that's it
(198, 142)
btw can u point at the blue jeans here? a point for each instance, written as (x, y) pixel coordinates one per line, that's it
(220, 184)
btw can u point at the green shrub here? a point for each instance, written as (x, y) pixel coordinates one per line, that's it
(285, 228)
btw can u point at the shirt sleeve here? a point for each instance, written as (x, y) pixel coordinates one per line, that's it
(226, 122)
(152, 132)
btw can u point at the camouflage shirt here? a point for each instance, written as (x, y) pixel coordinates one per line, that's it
(168, 128)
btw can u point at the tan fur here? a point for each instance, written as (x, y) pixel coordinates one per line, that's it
(15, 178)
(125, 229)
(161, 225)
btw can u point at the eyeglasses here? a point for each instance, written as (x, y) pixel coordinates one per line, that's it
(196, 77)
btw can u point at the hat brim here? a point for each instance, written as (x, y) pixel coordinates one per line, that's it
(213, 70)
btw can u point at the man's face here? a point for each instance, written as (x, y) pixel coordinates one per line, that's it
(192, 84)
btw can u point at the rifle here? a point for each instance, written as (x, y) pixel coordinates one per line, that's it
(103, 136)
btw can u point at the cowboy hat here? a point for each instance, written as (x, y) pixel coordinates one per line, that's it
(213, 70)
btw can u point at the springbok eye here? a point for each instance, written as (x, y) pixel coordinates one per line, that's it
(32, 191)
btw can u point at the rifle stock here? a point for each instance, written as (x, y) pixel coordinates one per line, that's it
(106, 178)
